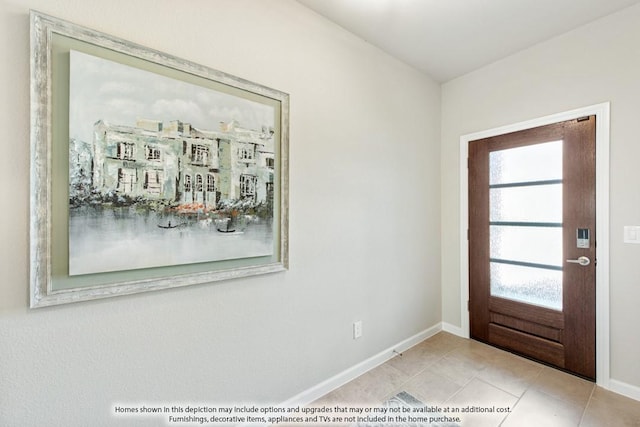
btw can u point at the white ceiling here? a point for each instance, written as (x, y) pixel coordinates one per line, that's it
(449, 38)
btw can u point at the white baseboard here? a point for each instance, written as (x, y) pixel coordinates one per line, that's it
(319, 390)
(624, 389)
(455, 330)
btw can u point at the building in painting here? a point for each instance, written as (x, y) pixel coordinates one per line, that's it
(179, 163)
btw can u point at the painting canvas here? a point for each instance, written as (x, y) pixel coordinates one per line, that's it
(164, 172)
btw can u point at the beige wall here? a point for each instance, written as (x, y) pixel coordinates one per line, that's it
(596, 63)
(364, 233)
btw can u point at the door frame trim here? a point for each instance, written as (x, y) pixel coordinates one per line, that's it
(602, 113)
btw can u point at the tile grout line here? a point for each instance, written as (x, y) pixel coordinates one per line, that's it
(411, 377)
(522, 395)
(563, 398)
(475, 375)
(584, 411)
(424, 368)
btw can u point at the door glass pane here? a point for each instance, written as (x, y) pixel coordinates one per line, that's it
(537, 245)
(525, 205)
(536, 203)
(538, 162)
(531, 285)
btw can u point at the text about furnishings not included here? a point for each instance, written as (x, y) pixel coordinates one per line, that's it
(177, 414)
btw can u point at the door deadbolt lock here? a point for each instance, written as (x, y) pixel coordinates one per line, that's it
(582, 238)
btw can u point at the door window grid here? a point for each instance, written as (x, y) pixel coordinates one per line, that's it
(526, 200)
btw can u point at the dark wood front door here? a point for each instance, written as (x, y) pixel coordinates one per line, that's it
(532, 243)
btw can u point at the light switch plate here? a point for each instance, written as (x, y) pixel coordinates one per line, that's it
(632, 234)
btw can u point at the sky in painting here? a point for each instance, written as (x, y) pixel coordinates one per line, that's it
(119, 94)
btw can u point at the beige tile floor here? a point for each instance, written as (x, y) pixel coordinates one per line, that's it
(450, 371)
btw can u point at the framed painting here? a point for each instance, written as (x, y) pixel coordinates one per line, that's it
(148, 171)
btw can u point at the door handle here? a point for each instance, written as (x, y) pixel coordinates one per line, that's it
(583, 261)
